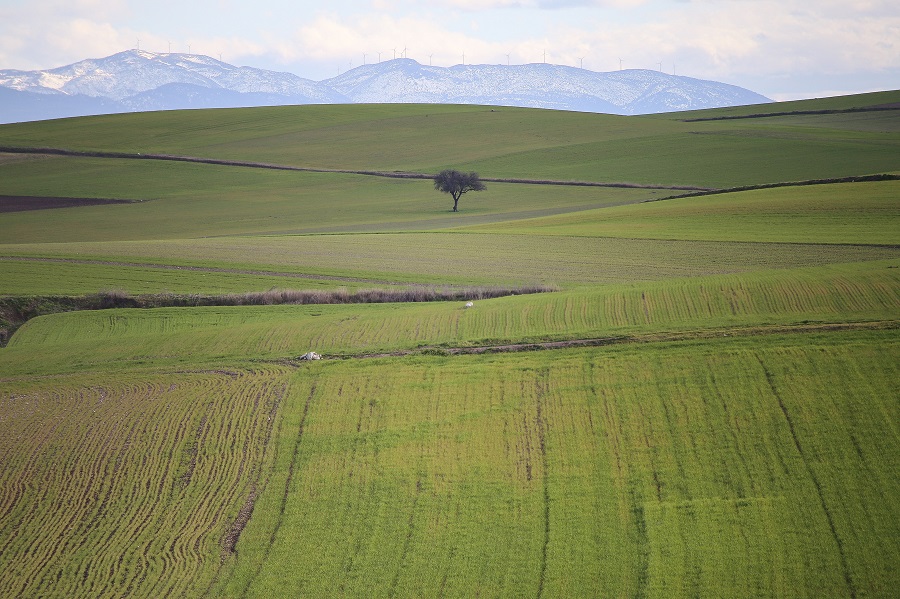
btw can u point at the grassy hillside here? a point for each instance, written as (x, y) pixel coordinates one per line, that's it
(178, 200)
(727, 467)
(584, 474)
(848, 213)
(731, 431)
(498, 142)
(834, 294)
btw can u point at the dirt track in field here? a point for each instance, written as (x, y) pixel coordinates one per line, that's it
(753, 331)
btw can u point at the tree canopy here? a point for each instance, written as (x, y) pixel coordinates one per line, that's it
(456, 183)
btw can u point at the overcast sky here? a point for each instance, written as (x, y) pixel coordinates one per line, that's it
(784, 49)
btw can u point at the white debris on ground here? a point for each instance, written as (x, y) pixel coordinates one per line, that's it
(469, 304)
(311, 356)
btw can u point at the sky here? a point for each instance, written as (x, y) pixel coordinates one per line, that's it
(784, 49)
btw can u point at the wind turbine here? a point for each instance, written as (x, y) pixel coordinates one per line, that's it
(507, 60)
(620, 64)
(429, 59)
(395, 53)
(581, 62)
(545, 57)
(660, 66)
(139, 44)
(364, 58)
(379, 57)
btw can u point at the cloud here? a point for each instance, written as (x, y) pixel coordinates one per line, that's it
(707, 39)
(475, 5)
(729, 40)
(338, 39)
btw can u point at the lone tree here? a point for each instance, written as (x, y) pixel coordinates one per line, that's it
(456, 183)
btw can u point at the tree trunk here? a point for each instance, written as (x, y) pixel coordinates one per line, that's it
(455, 202)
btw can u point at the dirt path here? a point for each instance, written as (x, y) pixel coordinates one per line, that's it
(663, 337)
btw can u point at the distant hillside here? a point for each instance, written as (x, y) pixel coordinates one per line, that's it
(632, 91)
(20, 106)
(138, 81)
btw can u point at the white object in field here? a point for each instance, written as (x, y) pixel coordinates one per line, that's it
(311, 356)
(469, 304)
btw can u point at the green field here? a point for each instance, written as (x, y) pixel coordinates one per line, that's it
(707, 406)
(847, 213)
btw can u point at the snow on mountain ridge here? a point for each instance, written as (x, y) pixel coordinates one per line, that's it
(134, 71)
(539, 85)
(141, 80)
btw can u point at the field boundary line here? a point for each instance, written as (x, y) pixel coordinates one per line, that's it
(761, 115)
(308, 169)
(664, 337)
(852, 179)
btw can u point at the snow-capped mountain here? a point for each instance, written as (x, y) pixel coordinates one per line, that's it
(537, 85)
(137, 80)
(128, 73)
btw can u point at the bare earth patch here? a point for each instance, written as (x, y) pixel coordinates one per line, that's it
(23, 203)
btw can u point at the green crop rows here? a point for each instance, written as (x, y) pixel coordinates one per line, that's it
(139, 478)
(730, 431)
(578, 474)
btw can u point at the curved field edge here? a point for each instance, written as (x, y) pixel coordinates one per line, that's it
(15, 311)
(834, 294)
(716, 468)
(131, 484)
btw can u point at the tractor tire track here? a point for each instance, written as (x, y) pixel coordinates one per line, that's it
(845, 568)
(541, 387)
(287, 489)
(407, 541)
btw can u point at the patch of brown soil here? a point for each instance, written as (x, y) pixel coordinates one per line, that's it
(24, 203)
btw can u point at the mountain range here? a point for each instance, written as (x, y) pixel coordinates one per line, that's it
(136, 80)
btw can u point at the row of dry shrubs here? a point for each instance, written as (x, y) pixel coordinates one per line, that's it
(15, 311)
(122, 299)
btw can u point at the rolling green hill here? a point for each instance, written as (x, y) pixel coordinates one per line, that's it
(706, 407)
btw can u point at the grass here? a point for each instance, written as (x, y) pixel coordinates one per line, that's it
(128, 485)
(738, 441)
(35, 277)
(709, 155)
(586, 473)
(465, 258)
(849, 213)
(859, 292)
(506, 142)
(188, 200)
